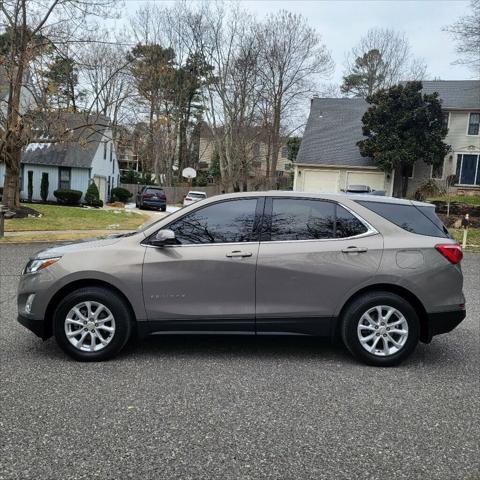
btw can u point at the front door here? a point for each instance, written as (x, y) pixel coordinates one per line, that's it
(206, 281)
(315, 253)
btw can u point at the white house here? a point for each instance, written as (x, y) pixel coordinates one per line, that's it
(86, 154)
(329, 159)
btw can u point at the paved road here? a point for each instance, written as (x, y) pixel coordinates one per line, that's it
(237, 408)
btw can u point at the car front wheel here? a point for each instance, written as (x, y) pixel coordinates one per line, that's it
(92, 324)
(380, 328)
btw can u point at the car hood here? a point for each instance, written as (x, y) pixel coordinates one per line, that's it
(86, 244)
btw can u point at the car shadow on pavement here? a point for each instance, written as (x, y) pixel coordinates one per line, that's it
(223, 347)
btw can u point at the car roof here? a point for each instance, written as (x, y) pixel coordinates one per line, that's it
(338, 197)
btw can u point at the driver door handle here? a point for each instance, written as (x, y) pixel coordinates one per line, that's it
(238, 254)
(354, 250)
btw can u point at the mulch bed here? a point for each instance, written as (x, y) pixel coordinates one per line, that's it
(23, 212)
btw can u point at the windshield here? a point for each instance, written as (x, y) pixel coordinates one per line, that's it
(196, 195)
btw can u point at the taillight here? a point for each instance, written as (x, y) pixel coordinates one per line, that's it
(451, 251)
(147, 195)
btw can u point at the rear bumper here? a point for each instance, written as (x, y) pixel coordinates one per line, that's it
(444, 322)
(154, 203)
(35, 326)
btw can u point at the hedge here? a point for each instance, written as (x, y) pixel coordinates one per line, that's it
(67, 196)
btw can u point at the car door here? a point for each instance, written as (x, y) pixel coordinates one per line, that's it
(207, 280)
(312, 253)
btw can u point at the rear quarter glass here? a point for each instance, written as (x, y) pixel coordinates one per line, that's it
(419, 220)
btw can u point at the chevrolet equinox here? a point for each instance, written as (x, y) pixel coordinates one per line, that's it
(380, 273)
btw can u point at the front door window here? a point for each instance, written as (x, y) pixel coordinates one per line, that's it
(224, 222)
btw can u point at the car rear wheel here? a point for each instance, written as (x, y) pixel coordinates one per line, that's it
(380, 328)
(92, 324)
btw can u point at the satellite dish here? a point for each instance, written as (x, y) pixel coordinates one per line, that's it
(189, 172)
(174, 168)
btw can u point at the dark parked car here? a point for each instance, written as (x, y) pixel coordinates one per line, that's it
(152, 197)
(379, 273)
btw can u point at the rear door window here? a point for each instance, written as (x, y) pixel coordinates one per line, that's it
(305, 219)
(419, 220)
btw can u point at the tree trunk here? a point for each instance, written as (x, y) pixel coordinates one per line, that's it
(11, 190)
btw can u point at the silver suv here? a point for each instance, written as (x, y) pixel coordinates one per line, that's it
(379, 273)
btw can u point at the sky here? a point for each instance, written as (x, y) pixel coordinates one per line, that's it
(341, 24)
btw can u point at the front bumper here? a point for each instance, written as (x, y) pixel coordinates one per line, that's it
(38, 327)
(444, 322)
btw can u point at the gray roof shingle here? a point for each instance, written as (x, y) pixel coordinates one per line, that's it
(335, 124)
(458, 94)
(77, 150)
(333, 129)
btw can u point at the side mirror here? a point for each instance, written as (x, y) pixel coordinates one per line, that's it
(164, 237)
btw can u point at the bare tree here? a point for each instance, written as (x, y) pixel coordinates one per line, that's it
(230, 45)
(105, 75)
(381, 59)
(293, 59)
(32, 28)
(466, 32)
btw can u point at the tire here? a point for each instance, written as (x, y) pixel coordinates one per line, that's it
(390, 341)
(72, 312)
(163, 209)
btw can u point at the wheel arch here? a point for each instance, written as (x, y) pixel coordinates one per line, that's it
(75, 285)
(403, 292)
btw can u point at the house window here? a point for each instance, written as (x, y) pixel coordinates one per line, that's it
(111, 152)
(285, 152)
(437, 170)
(474, 124)
(468, 169)
(64, 177)
(105, 148)
(446, 118)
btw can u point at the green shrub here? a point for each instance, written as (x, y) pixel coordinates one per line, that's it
(92, 196)
(67, 196)
(44, 187)
(120, 194)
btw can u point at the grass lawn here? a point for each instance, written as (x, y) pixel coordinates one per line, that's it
(56, 217)
(470, 200)
(473, 238)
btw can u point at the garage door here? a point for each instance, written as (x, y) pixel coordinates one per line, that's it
(321, 181)
(375, 180)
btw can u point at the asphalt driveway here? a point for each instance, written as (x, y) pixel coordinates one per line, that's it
(237, 408)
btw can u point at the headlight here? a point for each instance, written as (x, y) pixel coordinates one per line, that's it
(37, 264)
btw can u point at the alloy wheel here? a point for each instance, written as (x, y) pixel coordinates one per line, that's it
(89, 326)
(382, 330)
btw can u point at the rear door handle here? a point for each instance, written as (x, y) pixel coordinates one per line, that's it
(354, 250)
(238, 254)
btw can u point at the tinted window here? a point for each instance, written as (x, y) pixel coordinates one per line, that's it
(154, 191)
(299, 219)
(196, 195)
(224, 222)
(422, 221)
(347, 224)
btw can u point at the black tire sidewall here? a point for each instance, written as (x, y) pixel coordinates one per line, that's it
(121, 314)
(353, 314)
